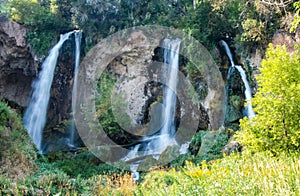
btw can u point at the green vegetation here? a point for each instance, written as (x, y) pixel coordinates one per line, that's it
(260, 174)
(276, 126)
(247, 174)
(250, 23)
(269, 165)
(111, 108)
(44, 22)
(82, 174)
(296, 20)
(104, 110)
(17, 156)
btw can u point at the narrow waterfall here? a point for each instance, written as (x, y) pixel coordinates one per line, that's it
(78, 37)
(171, 60)
(228, 52)
(249, 109)
(36, 113)
(248, 96)
(154, 145)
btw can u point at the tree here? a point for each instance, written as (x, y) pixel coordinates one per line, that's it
(276, 127)
(42, 19)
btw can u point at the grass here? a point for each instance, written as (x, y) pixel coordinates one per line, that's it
(17, 155)
(258, 174)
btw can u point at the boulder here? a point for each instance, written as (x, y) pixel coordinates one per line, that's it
(169, 154)
(231, 147)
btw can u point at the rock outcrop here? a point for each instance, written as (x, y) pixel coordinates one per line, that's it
(17, 65)
(133, 58)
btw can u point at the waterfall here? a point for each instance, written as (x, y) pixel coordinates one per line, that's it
(171, 60)
(78, 37)
(154, 145)
(157, 143)
(228, 52)
(249, 109)
(36, 113)
(248, 96)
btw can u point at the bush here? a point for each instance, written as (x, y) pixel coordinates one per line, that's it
(4, 116)
(276, 127)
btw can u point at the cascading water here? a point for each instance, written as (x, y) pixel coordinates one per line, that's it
(36, 113)
(171, 59)
(248, 96)
(78, 37)
(249, 109)
(154, 145)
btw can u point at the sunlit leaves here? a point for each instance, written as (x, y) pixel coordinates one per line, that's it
(276, 126)
(296, 20)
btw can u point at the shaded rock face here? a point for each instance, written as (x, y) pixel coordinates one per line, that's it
(59, 112)
(235, 98)
(17, 65)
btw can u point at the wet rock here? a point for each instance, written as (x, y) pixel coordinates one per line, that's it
(56, 145)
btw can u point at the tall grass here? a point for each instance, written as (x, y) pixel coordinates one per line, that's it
(258, 174)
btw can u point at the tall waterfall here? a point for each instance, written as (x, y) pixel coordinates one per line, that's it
(154, 145)
(171, 60)
(248, 96)
(78, 37)
(36, 113)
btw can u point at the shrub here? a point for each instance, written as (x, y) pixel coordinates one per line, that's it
(276, 127)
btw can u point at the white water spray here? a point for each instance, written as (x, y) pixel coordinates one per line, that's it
(248, 96)
(36, 113)
(78, 37)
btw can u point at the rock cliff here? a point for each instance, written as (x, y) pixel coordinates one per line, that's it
(17, 64)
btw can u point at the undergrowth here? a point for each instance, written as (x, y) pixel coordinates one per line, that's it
(24, 172)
